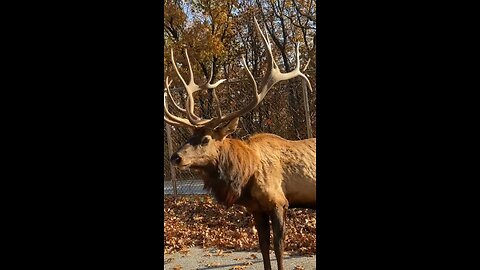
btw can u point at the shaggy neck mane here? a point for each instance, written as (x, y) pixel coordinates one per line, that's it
(231, 171)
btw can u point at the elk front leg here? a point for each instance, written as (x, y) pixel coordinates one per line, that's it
(263, 229)
(278, 225)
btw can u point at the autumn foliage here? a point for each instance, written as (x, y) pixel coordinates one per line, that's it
(218, 33)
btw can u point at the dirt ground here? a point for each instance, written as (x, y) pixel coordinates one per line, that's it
(201, 259)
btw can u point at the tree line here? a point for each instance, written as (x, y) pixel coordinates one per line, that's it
(217, 34)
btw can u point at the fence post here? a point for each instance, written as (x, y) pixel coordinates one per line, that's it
(307, 110)
(170, 152)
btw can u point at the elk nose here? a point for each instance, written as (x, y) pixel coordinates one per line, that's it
(175, 159)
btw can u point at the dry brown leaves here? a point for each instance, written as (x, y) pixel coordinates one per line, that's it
(201, 221)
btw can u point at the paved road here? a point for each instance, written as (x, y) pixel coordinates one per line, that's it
(203, 259)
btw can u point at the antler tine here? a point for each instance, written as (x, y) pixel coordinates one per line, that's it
(168, 83)
(267, 43)
(252, 79)
(303, 70)
(176, 68)
(191, 88)
(274, 75)
(214, 93)
(297, 54)
(306, 65)
(296, 71)
(171, 98)
(194, 88)
(190, 68)
(172, 119)
(218, 109)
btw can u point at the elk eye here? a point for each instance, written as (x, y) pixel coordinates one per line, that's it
(205, 140)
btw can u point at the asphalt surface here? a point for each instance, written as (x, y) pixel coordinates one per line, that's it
(201, 259)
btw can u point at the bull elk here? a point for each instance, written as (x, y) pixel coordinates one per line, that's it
(265, 173)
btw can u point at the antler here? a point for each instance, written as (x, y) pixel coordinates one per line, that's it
(272, 76)
(192, 120)
(168, 117)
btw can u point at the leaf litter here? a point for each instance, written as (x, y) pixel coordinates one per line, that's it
(200, 221)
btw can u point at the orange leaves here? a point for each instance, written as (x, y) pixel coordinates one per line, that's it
(207, 32)
(200, 221)
(238, 267)
(173, 15)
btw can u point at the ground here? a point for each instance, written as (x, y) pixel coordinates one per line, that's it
(202, 259)
(201, 234)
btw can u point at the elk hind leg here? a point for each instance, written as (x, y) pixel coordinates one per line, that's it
(263, 228)
(278, 224)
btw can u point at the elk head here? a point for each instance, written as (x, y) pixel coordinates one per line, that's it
(203, 147)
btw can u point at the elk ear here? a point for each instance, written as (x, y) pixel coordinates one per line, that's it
(228, 128)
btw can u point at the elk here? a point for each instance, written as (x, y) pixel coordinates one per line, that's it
(265, 173)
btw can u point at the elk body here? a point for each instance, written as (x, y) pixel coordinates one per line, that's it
(265, 173)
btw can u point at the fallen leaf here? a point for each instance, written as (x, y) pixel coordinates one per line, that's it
(200, 221)
(212, 264)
